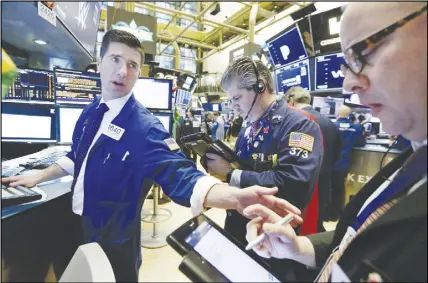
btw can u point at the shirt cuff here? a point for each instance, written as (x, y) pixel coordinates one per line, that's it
(235, 179)
(67, 164)
(200, 191)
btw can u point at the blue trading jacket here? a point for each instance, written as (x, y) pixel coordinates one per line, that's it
(352, 135)
(119, 173)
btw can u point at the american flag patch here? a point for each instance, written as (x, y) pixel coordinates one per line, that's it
(172, 144)
(301, 140)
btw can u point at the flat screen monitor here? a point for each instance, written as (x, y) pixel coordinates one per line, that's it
(287, 48)
(23, 122)
(327, 105)
(325, 28)
(183, 97)
(328, 75)
(32, 85)
(154, 93)
(296, 74)
(165, 119)
(76, 87)
(81, 19)
(67, 118)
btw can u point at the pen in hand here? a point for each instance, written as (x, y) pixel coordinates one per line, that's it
(284, 221)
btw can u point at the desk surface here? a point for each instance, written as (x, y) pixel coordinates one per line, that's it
(377, 148)
(379, 141)
(53, 189)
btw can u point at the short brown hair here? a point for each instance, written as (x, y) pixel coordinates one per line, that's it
(124, 37)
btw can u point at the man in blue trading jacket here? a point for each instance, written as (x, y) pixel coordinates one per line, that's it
(118, 150)
(281, 145)
(352, 135)
(301, 98)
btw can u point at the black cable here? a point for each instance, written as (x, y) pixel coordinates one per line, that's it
(256, 72)
(389, 148)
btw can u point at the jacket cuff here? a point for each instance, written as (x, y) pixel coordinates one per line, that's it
(235, 179)
(67, 164)
(322, 246)
(200, 191)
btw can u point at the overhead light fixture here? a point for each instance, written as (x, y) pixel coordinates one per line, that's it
(41, 42)
(216, 10)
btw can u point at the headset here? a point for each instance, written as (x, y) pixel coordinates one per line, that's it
(259, 87)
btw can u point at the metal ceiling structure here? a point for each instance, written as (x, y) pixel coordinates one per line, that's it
(236, 27)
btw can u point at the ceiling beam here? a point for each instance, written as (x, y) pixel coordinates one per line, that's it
(189, 25)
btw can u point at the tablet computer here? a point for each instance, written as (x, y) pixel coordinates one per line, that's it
(201, 143)
(211, 254)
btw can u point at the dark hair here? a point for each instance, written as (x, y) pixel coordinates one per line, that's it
(124, 37)
(192, 111)
(361, 118)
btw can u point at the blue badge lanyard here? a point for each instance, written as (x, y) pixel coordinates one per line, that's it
(402, 181)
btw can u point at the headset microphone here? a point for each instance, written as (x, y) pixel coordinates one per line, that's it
(258, 88)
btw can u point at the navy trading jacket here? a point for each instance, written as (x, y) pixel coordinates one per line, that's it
(352, 135)
(286, 153)
(120, 171)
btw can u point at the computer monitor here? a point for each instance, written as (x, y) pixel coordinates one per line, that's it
(22, 122)
(328, 106)
(183, 97)
(165, 119)
(296, 74)
(287, 48)
(328, 75)
(67, 118)
(32, 85)
(154, 93)
(76, 87)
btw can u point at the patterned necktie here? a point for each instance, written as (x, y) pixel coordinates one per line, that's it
(87, 138)
(335, 256)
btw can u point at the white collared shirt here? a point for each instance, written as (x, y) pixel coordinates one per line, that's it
(200, 190)
(115, 106)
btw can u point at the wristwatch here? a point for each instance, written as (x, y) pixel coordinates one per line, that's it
(229, 175)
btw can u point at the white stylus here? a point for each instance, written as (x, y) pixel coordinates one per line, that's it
(284, 221)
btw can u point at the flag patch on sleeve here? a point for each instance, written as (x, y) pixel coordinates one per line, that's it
(301, 140)
(172, 144)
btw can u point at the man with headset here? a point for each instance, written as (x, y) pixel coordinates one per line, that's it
(282, 145)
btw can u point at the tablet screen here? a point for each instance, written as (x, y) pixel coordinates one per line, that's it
(226, 257)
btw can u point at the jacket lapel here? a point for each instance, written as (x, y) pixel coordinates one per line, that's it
(121, 120)
(409, 207)
(351, 210)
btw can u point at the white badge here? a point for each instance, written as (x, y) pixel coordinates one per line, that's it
(337, 274)
(114, 132)
(350, 234)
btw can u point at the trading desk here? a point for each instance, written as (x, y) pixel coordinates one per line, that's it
(36, 237)
(365, 163)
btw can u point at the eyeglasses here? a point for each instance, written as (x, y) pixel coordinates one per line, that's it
(356, 61)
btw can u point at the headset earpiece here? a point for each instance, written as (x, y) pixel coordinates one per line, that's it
(259, 87)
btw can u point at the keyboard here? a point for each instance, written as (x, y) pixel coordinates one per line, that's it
(11, 171)
(18, 195)
(43, 161)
